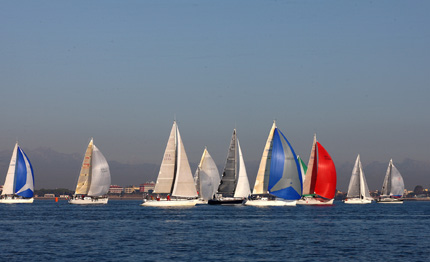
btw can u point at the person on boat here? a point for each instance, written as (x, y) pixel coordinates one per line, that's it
(168, 197)
(158, 197)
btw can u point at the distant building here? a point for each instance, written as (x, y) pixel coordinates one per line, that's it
(131, 189)
(49, 195)
(115, 189)
(147, 186)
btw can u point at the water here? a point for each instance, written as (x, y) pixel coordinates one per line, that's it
(125, 231)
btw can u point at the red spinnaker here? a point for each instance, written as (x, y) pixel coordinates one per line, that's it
(326, 181)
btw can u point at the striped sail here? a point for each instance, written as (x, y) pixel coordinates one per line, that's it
(285, 179)
(262, 181)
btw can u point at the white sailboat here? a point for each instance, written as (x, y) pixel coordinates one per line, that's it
(234, 185)
(319, 187)
(206, 177)
(175, 180)
(279, 178)
(94, 178)
(19, 183)
(393, 186)
(358, 191)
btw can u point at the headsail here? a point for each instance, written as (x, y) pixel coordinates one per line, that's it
(242, 187)
(207, 176)
(285, 176)
(100, 174)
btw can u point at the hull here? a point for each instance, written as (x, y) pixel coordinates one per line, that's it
(201, 202)
(169, 203)
(312, 201)
(389, 201)
(226, 201)
(357, 201)
(89, 201)
(266, 202)
(16, 200)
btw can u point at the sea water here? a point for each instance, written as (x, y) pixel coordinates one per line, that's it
(124, 231)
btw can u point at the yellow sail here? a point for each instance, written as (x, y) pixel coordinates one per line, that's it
(84, 180)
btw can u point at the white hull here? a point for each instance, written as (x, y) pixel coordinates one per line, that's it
(201, 202)
(16, 200)
(89, 201)
(390, 201)
(314, 201)
(169, 203)
(266, 202)
(357, 201)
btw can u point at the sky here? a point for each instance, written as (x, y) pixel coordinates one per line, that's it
(356, 73)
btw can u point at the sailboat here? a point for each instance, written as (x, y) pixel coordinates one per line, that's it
(94, 178)
(19, 183)
(319, 187)
(206, 178)
(393, 186)
(279, 178)
(175, 180)
(234, 185)
(358, 191)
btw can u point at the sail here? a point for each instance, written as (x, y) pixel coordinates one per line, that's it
(262, 180)
(228, 180)
(354, 182)
(183, 181)
(363, 185)
(84, 179)
(100, 174)
(242, 187)
(311, 172)
(24, 178)
(168, 165)
(326, 181)
(285, 176)
(303, 168)
(8, 187)
(397, 184)
(207, 176)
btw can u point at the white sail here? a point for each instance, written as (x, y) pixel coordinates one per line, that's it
(167, 169)
(242, 187)
(397, 184)
(8, 187)
(262, 180)
(184, 181)
(207, 176)
(100, 175)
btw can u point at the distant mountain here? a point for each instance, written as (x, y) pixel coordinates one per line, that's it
(58, 170)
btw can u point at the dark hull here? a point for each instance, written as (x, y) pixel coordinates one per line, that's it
(225, 202)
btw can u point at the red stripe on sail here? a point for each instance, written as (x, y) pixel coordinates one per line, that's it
(326, 181)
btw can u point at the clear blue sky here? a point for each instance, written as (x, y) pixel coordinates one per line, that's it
(355, 72)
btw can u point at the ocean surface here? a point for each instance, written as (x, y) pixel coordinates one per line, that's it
(125, 231)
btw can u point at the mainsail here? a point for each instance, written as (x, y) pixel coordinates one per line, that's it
(175, 175)
(393, 182)
(262, 181)
(228, 180)
(20, 177)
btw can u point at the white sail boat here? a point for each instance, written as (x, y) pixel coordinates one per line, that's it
(234, 185)
(206, 178)
(19, 183)
(94, 178)
(279, 178)
(358, 191)
(175, 179)
(393, 186)
(319, 187)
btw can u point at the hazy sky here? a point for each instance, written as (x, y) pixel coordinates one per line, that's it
(355, 72)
